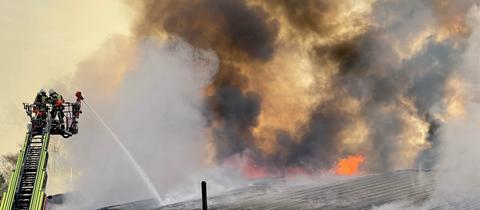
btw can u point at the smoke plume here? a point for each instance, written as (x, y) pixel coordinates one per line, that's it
(301, 84)
(274, 87)
(155, 107)
(457, 180)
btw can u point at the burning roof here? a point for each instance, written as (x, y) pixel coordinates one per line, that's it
(405, 188)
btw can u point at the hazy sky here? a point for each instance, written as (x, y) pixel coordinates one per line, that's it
(41, 43)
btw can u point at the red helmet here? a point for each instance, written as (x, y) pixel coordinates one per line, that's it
(78, 94)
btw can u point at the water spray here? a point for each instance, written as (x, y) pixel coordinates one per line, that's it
(139, 169)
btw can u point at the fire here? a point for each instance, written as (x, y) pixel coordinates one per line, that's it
(349, 165)
(247, 166)
(352, 84)
(252, 171)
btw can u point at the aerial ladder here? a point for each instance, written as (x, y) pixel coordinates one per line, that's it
(26, 188)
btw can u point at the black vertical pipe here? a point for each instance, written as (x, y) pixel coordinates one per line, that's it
(204, 195)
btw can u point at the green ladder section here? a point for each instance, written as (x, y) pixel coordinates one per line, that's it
(26, 189)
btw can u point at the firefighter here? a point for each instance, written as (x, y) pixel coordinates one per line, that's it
(77, 105)
(40, 104)
(76, 111)
(56, 100)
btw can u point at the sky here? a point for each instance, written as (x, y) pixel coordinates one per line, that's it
(41, 44)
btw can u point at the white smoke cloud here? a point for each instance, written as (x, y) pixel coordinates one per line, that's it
(156, 112)
(458, 172)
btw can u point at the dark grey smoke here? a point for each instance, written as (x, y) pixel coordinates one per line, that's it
(237, 32)
(429, 157)
(229, 27)
(238, 112)
(372, 70)
(319, 148)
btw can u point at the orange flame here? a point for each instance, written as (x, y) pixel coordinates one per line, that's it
(349, 165)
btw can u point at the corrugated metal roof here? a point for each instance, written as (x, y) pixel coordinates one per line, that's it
(410, 187)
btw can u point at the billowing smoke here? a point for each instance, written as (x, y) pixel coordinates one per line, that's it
(457, 180)
(274, 87)
(301, 84)
(153, 101)
(239, 34)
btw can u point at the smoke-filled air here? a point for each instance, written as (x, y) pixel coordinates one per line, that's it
(231, 91)
(280, 87)
(301, 85)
